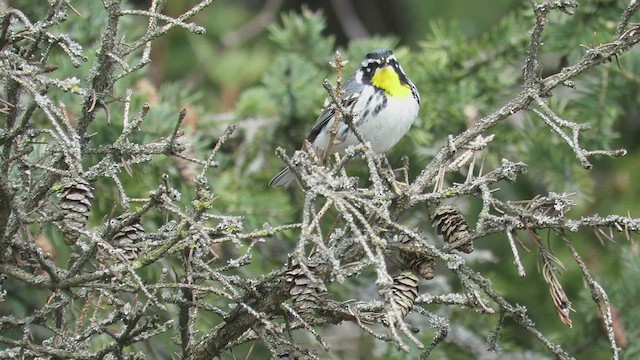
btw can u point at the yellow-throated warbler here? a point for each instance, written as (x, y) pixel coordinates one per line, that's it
(384, 104)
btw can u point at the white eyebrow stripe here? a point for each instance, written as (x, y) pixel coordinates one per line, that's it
(366, 62)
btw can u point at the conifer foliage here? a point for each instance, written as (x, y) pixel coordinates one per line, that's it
(135, 222)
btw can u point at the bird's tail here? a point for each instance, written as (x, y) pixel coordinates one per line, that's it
(284, 179)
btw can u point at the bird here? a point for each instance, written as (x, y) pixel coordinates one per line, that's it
(384, 104)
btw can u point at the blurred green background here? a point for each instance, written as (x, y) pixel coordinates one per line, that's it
(261, 65)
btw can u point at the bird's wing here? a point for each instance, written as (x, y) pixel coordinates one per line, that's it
(351, 93)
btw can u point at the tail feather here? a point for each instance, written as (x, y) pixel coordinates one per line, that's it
(284, 179)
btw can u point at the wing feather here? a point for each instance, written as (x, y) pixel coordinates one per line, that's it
(351, 93)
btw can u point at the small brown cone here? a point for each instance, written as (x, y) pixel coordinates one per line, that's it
(307, 292)
(452, 226)
(128, 239)
(422, 265)
(75, 204)
(404, 291)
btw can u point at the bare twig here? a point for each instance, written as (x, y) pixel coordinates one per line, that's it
(127, 269)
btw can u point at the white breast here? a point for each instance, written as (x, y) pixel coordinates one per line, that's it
(382, 130)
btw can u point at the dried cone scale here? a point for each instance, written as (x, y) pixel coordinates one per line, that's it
(452, 226)
(75, 204)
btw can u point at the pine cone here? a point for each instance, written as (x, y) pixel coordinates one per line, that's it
(452, 226)
(423, 265)
(128, 239)
(306, 292)
(404, 291)
(75, 204)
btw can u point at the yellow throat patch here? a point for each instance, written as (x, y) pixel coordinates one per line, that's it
(387, 80)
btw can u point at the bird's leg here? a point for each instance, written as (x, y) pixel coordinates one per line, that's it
(397, 186)
(404, 170)
(338, 165)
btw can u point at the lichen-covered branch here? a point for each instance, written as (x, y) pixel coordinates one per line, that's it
(187, 278)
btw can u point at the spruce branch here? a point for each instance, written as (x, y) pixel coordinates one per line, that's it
(531, 91)
(126, 283)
